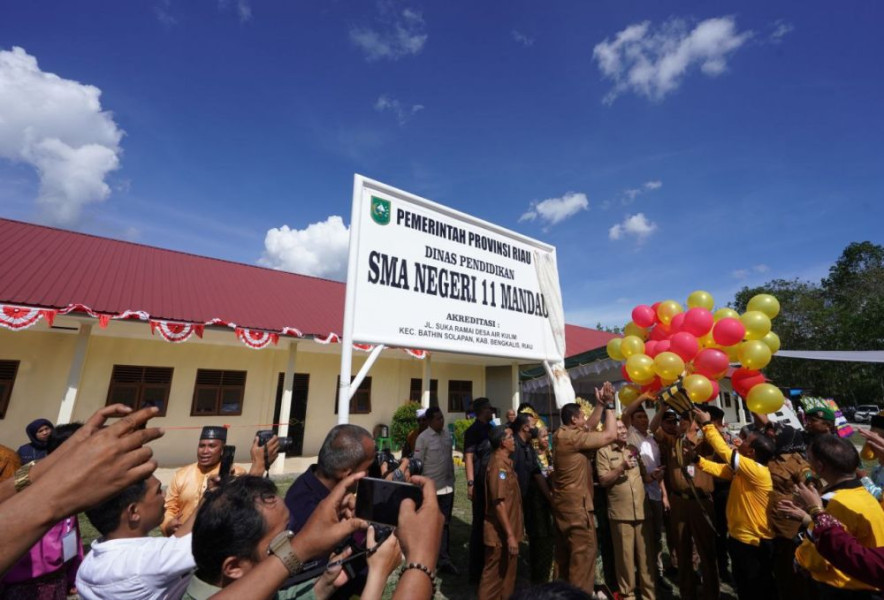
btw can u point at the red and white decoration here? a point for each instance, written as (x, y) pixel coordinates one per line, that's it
(255, 338)
(22, 317)
(176, 332)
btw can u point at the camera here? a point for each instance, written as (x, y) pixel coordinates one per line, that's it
(264, 436)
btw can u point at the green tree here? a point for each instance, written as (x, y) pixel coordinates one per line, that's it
(845, 311)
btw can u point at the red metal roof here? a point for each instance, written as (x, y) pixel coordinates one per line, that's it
(53, 268)
(581, 339)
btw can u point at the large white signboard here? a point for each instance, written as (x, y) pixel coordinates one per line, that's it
(422, 275)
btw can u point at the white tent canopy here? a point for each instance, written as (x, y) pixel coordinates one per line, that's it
(865, 356)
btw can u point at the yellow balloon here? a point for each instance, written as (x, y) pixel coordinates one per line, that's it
(754, 354)
(757, 324)
(701, 299)
(724, 313)
(667, 382)
(668, 309)
(668, 365)
(640, 368)
(765, 303)
(614, 349)
(773, 342)
(633, 329)
(733, 352)
(707, 341)
(765, 398)
(698, 387)
(631, 345)
(628, 394)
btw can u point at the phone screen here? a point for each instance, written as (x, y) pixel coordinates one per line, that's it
(378, 500)
(227, 454)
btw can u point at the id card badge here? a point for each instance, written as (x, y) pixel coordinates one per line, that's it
(69, 545)
(691, 470)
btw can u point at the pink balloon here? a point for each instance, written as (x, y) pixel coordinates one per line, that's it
(744, 379)
(698, 321)
(662, 346)
(728, 331)
(659, 332)
(677, 323)
(711, 362)
(654, 386)
(644, 316)
(685, 345)
(715, 390)
(624, 373)
(651, 348)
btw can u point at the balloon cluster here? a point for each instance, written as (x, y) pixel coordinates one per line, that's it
(665, 342)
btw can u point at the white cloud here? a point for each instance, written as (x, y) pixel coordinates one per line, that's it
(320, 249)
(556, 210)
(636, 225)
(653, 185)
(629, 195)
(522, 38)
(781, 30)
(402, 112)
(57, 126)
(653, 63)
(399, 33)
(744, 273)
(162, 10)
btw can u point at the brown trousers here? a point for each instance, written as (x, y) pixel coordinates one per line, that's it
(499, 575)
(576, 548)
(691, 529)
(633, 547)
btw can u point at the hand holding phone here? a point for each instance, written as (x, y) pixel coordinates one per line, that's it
(227, 454)
(378, 500)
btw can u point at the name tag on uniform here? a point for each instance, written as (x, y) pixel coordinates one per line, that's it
(691, 470)
(501, 474)
(69, 545)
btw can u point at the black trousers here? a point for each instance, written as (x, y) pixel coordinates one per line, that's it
(477, 537)
(752, 567)
(827, 592)
(446, 504)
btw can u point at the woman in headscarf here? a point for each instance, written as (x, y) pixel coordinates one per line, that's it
(38, 432)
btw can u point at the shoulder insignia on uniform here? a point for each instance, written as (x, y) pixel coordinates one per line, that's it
(501, 473)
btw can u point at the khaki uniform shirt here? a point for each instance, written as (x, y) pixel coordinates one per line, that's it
(676, 483)
(626, 497)
(784, 472)
(9, 462)
(572, 475)
(502, 485)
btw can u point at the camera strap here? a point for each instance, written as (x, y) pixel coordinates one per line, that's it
(266, 462)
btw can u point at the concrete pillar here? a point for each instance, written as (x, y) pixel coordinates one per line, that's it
(75, 374)
(517, 391)
(425, 382)
(285, 408)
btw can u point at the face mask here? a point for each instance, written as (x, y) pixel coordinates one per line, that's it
(534, 433)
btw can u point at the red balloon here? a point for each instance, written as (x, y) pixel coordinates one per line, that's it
(715, 391)
(675, 325)
(744, 379)
(655, 386)
(685, 345)
(662, 346)
(698, 321)
(644, 316)
(624, 373)
(728, 331)
(651, 348)
(654, 307)
(660, 332)
(711, 362)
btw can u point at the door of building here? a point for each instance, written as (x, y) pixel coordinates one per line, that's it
(298, 416)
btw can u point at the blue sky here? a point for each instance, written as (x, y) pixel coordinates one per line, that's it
(662, 147)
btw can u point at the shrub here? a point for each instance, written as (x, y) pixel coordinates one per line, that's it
(404, 420)
(460, 426)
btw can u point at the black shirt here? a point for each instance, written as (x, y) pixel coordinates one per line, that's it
(525, 465)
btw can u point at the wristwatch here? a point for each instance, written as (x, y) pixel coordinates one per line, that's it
(610, 406)
(281, 547)
(23, 476)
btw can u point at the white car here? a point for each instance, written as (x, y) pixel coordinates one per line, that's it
(865, 412)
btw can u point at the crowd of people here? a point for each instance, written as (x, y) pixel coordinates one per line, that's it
(778, 512)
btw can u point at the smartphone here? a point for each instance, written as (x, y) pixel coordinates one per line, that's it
(227, 453)
(378, 500)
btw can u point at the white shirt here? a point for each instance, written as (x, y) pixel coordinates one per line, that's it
(650, 454)
(141, 568)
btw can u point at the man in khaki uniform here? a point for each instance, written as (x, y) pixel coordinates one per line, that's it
(576, 546)
(691, 509)
(622, 472)
(503, 519)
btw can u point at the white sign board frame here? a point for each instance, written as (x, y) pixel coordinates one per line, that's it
(425, 276)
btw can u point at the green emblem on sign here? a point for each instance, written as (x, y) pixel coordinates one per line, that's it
(380, 211)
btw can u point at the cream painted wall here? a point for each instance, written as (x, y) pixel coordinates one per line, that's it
(46, 356)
